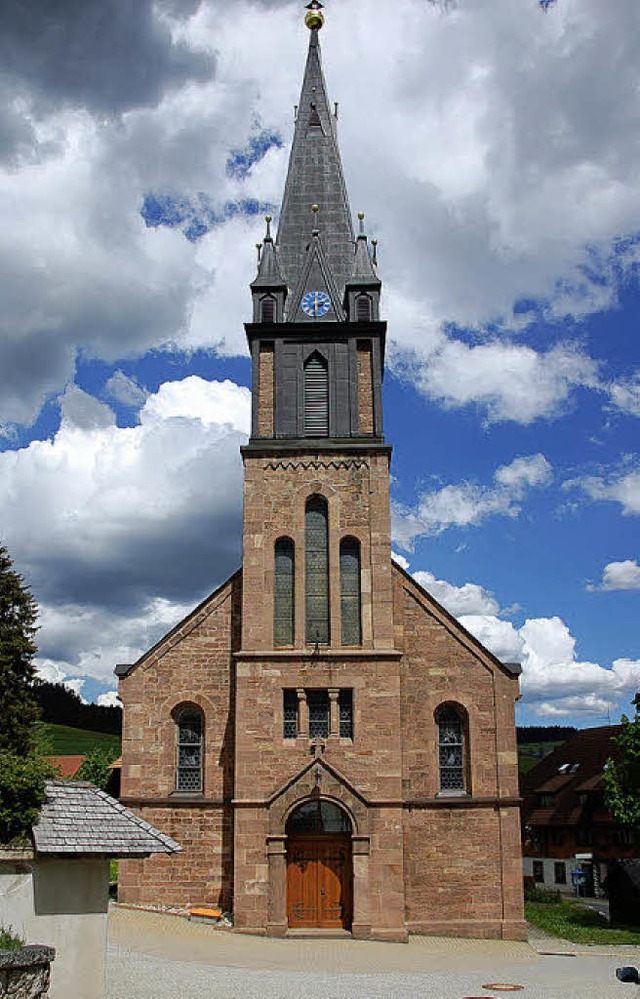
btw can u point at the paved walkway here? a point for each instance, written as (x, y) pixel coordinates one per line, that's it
(153, 956)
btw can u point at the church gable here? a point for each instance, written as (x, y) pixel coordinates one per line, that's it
(408, 587)
(229, 591)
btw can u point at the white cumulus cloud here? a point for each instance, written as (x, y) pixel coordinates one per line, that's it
(470, 503)
(620, 576)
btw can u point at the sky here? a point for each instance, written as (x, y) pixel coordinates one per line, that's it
(494, 147)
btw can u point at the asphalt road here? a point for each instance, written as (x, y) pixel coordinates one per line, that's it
(161, 957)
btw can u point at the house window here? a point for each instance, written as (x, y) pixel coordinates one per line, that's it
(316, 397)
(318, 702)
(317, 570)
(538, 872)
(268, 309)
(345, 709)
(350, 591)
(622, 837)
(283, 592)
(451, 749)
(547, 800)
(290, 714)
(189, 750)
(363, 309)
(560, 872)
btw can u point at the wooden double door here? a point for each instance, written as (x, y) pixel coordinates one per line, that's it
(319, 882)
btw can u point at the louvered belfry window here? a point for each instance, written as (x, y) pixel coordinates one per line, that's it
(283, 592)
(317, 570)
(268, 309)
(189, 768)
(316, 397)
(350, 591)
(451, 750)
(363, 309)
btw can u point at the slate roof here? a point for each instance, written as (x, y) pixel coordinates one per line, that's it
(77, 818)
(315, 177)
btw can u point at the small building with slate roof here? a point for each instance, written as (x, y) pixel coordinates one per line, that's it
(56, 891)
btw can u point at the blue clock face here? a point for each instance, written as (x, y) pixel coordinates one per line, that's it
(316, 304)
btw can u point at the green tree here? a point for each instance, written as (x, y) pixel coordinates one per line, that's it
(23, 767)
(95, 768)
(622, 776)
(18, 614)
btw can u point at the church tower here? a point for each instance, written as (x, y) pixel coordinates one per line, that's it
(330, 747)
(316, 503)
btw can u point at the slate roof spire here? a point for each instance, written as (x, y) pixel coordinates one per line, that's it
(315, 177)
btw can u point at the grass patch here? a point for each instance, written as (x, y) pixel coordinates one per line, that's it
(8, 939)
(67, 741)
(575, 922)
(530, 753)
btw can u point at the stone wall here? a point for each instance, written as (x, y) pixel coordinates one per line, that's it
(25, 973)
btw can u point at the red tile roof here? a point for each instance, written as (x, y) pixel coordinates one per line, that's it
(68, 766)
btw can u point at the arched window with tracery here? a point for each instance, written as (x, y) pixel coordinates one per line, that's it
(452, 749)
(189, 748)
(350, 589)
(283, 592)
(317, 570)
(316, 396)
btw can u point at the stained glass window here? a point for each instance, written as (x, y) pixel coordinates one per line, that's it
(350, 591)
(283, 592)
(318, 817)
(345, 707)
(290, 714)
(318, 701)
(317, 570)
(451, 750)
(189, 750)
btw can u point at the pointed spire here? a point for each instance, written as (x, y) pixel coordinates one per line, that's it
(315, 176)
(269, 274)
(363, 272)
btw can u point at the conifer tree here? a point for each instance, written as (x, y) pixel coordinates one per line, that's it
(23, 769)
(18, 614)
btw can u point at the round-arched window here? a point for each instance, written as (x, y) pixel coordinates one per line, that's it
(316, 817)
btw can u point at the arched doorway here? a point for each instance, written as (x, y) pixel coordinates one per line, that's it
(319, 867)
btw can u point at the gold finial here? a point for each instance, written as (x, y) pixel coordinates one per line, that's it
(315, 17)
(315, 208)
(268, 218)
(361, 216)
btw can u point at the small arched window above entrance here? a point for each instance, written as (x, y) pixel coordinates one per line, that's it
(317, 817)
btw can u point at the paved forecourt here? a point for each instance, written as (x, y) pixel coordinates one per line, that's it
(154, 956)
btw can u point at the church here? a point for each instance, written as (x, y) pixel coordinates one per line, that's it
(330, 747)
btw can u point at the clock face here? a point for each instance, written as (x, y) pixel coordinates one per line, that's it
(315, 304)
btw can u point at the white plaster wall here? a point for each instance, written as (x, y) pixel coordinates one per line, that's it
(62, 903)
(16, 898)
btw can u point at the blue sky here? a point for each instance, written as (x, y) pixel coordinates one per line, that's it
(497, 165)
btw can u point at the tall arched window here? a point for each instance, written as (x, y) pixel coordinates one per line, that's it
(283, 592)
(317, 570)
(350, 591)
(316, 397)
(189, 739)
(451, 749)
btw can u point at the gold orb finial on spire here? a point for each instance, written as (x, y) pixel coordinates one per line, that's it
(315, 208)
(315, 17)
